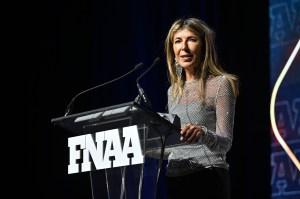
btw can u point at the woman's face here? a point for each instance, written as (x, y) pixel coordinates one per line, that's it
(187, 48)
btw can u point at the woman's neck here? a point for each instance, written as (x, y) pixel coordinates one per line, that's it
(189, 76)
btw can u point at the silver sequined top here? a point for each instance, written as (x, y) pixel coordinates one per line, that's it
(216, 114)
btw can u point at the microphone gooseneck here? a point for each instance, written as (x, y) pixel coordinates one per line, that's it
(146, 71)
(71, 104)
(142, 94)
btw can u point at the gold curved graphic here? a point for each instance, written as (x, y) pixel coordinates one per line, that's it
(272, 107)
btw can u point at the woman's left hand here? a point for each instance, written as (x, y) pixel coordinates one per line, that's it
(191, 133)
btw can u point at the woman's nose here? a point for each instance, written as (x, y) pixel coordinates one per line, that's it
(184, 46)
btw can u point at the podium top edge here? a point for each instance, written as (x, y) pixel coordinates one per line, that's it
(131, 103)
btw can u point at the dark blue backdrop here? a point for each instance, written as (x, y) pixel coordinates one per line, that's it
(86, 43)
(284, 36)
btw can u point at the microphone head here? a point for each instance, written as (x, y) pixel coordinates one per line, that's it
(154, 63)
(138, 66)
(157, 60)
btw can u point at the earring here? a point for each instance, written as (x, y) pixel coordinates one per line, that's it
(178, 68)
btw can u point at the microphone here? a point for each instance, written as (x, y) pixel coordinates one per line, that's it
(141, 91)
(70, 105)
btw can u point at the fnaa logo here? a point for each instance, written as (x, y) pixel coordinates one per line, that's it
(107, 149)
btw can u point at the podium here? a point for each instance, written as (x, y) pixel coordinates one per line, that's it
(118, 139)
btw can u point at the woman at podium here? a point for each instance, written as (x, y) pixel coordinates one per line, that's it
(203, 95)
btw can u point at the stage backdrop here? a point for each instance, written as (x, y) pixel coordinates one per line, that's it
(285, 86)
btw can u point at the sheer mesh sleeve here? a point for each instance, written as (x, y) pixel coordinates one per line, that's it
(221, 139)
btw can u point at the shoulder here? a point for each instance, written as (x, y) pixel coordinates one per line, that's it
(174, 86)
(170, 89)
(220, 84)
(226, 83)
(218, 80)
